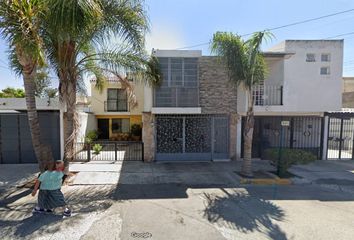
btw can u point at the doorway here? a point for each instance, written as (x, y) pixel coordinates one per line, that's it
(103, 129)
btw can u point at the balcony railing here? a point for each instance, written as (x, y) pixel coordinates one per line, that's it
(267, 95)
(176, 97)
(116, 106)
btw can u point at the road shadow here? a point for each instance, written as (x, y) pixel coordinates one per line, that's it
(17, 220)
(245, 213)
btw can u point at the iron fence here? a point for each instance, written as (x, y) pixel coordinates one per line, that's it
(268, 95)
(302, 132)
(109, 151)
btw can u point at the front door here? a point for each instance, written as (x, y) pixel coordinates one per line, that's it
(103, 128)
(220, 138)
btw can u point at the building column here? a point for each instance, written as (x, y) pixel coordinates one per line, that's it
(233, 136)
(239, 137)
(325, 138)
(148, 136)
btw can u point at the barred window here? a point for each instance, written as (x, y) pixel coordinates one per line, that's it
(310, 57)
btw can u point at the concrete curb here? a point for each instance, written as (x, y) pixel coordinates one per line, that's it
(266, 181)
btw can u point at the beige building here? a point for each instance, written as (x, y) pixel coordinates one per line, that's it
(348, 84)
(348, 92)
(116, 110)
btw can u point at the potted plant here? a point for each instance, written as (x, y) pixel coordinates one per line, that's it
(136, 132)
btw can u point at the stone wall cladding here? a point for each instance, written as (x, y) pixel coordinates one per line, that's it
(148, 137)
(216, 94)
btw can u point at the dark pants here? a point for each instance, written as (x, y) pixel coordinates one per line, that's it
(50, 199)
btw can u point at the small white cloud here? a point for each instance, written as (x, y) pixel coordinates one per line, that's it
(164, 37)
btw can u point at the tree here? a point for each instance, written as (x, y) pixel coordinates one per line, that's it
(10, 92)
(77, 34)
(42, 81)
(20, 26)
(42, 84)
(246, 67)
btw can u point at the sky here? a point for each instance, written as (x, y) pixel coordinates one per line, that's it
(182, 23)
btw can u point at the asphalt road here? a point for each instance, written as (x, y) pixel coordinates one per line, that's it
(177, 211)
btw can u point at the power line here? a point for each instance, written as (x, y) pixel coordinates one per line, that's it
(341, 35)
(279, 27)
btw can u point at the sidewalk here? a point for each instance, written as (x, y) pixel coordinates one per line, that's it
(129, 172)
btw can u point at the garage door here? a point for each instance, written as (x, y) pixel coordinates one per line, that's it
(191, 137)
(15, 137)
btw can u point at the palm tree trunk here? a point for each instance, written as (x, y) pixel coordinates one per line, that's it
(43, 153)
(70, 120)
(247, 139)
(247, 147)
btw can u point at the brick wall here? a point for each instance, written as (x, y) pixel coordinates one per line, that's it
(216, 94)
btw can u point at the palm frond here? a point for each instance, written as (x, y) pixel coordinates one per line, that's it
(20, 27)
(243, 59)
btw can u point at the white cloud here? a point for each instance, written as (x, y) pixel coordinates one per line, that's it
(164, 37)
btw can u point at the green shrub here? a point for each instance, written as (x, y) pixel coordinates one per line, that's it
(91, 136)
(289, 157)
(136, 130)
(97, 148)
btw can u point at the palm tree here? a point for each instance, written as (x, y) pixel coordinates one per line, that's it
(246, 67)
(77, 37)
(19, 25)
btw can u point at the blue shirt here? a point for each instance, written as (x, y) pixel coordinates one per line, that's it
(51, 180)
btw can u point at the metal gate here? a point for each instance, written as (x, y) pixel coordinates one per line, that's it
(340, 137)
(300, 133)
(15, 136)
(192, 137)
(109, 151)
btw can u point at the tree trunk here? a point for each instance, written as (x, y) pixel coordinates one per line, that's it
(247, 145)
(70, 119)
(67, 93)
(43, 153)
(247, 139)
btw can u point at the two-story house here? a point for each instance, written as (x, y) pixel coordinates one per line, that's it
(303, 82)
(114, 109)
(192, 115)
(196, 114)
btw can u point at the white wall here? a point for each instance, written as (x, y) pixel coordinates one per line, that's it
(305, 90)
(87, 122)
(20, 104)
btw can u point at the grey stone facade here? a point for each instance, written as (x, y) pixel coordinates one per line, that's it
(216, 94)
(148, 137)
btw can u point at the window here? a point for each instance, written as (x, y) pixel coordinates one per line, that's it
(179, 86)
(325, 57)
(310, 57)
(120, 125)
(179, 72)
(117, 100)
(325, 71)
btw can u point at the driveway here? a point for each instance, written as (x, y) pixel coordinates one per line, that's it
(337, 174)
